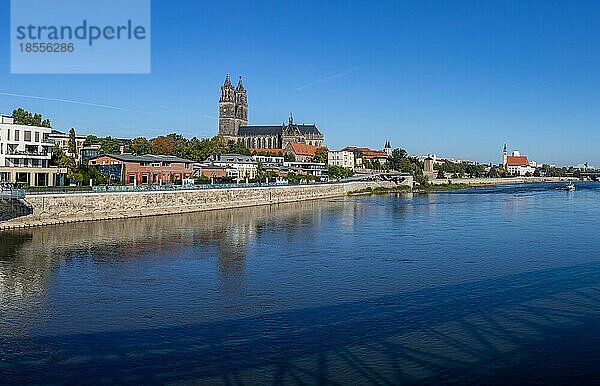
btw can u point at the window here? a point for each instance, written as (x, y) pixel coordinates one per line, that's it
(16, 135)
(156, 164)
(37, 136)
(132, 178)
(167, 164)
(144, 163)
(27, 136)
(144, 179)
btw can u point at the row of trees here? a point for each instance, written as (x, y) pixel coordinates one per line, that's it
(24, 117)
(77, 172)
(172, 144)
(460, 169)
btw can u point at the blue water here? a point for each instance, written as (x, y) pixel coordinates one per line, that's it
(485, 286)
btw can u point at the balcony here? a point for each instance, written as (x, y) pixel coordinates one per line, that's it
(27, 153)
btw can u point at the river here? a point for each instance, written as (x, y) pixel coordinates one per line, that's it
(483, 286)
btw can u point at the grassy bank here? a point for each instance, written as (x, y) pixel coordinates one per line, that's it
(382, 190)
(407, 189)
(443, 187)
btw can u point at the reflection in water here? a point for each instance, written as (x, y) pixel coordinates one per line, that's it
(29, 256)
(464, 287)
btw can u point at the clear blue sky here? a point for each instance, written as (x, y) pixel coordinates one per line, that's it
(456, 78)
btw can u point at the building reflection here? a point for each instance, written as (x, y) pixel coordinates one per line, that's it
(28, 257)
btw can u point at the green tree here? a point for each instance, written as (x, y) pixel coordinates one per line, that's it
(335, 172)
(140, 146)
(179, 144)
(92, 140)
(72, 142)
(200, 149)
(24, 117)
(441, 173)
(399, 160)
(493, 173)
(110, 145)
(234, 147)
(162, 145)
(321, 155)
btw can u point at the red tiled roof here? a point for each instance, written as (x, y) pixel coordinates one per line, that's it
(366, 152)
(265, 150)
(304, 149)
(517, 160)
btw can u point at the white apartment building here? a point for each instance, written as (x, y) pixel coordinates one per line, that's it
(341, 158)
(270, 160)
(62, 140)
(317, 169)
(245, 165)
(25, 153)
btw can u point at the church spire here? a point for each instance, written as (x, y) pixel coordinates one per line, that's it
(227, 91)
(227, 81)
(291, 121)
(240, 86)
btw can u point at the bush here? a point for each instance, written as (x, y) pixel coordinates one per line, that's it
(202, 180)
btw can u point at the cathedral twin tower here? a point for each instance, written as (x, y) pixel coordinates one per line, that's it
(233, 124)
(233, 108)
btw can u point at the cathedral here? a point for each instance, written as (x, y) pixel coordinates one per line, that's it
(233, 124)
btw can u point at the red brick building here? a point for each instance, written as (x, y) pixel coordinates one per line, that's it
(144, 170)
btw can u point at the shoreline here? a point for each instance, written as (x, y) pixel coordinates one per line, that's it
(54, 209)
(447, 185)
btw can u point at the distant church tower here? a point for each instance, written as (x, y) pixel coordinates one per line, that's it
(504, 156)
(387, 149)
(233, 108)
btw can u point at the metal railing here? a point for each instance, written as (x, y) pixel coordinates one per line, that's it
(9, 193)
(153, 188)
(27, 152)
(31, 191)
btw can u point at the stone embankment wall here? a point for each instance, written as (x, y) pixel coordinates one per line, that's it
(10, 209)
(65, 208)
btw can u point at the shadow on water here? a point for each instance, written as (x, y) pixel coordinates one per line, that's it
(519, 328)
(456, 331)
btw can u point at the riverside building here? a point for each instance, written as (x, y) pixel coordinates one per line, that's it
(243, 166)
(342, 158)
(147, 169)
(516, 163)
(25, 153)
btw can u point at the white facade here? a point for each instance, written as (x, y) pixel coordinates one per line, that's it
(23, 145)
(25, 153)
(520, 170)
(341, 158)
(62, 140)
(269, 159)
(316, 169)
(245, 165)
(517, 164)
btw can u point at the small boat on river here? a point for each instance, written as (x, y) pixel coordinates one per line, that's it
(570, 187)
